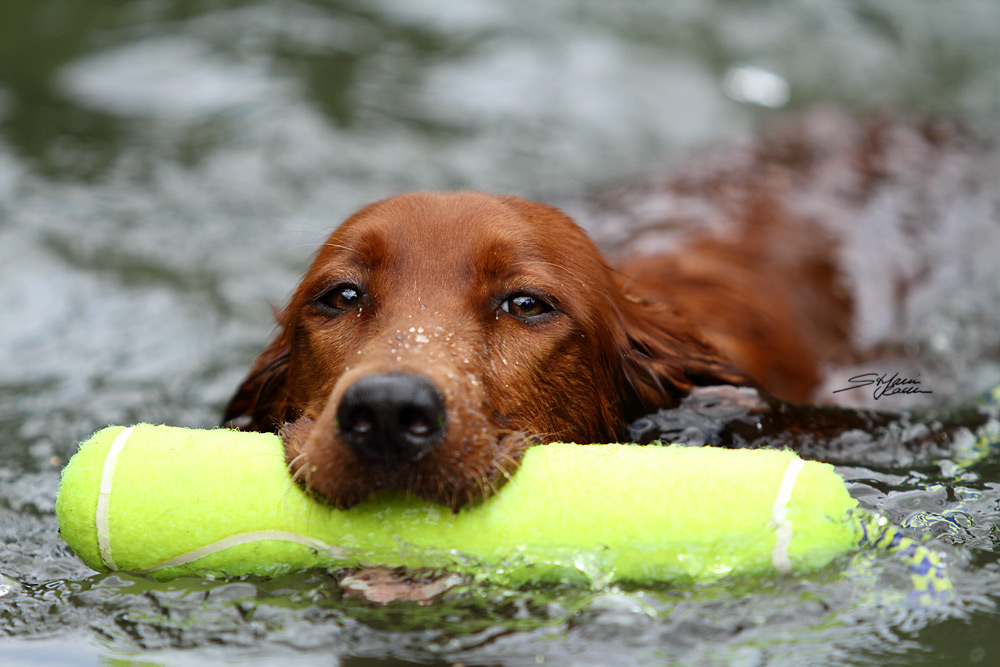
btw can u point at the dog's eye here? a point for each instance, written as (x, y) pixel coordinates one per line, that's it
(528, 308)
(341, 297)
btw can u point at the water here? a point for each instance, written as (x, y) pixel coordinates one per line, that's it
(167, 167)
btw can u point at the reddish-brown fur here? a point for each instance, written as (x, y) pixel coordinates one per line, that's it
(824, 245)
(435, 270)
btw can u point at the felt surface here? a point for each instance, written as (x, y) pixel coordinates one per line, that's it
(587, 514)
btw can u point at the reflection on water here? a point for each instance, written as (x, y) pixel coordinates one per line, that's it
(756, 86)
(167, 167)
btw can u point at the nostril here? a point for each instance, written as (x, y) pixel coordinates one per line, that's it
(414, 421)
(392, 418)
(359, 422)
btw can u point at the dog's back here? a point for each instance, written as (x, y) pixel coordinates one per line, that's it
(828, 249)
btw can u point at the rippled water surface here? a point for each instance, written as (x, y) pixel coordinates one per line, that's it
(168, 166)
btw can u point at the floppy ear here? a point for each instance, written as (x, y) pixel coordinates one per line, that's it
(664, 356)
(261, 402)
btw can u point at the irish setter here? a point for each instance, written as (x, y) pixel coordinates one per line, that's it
(437, 335)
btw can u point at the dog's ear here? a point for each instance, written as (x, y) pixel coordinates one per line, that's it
(663, 356)
(261, 401)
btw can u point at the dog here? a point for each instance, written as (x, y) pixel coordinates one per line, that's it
(436, 336)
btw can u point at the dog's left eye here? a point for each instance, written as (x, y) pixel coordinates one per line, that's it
(527, 308)
(340, 298)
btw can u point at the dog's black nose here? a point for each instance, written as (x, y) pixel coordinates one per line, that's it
(392, 418)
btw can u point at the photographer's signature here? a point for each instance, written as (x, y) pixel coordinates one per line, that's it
(885, 385)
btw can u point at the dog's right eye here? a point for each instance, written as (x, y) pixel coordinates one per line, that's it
(340, 298)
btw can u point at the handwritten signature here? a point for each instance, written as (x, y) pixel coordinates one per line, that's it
(885, 385)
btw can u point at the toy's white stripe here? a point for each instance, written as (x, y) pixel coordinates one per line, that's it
(779, 517)
(104, 497)
(243, 538)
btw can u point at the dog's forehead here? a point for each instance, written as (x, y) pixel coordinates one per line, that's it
(451, 233)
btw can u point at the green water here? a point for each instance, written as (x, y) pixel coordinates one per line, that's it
(167, 167)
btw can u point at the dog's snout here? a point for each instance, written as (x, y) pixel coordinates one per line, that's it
(392, 418)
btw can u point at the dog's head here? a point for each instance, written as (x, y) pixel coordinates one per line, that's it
(435, 336)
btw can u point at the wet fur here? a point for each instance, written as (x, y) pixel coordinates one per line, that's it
(753, 294)
(435, 267)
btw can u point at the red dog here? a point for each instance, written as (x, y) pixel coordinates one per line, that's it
(435, 336)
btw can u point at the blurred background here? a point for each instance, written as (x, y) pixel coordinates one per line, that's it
(167, 168)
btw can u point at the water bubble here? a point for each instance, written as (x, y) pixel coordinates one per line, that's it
(755, 85)
(940, 342)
